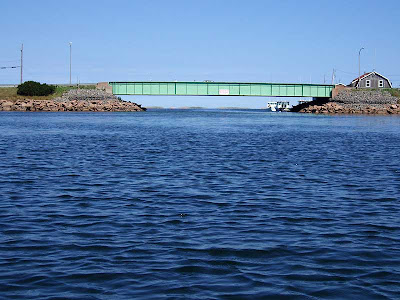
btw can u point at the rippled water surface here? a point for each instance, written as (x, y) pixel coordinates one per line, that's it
(199, 205)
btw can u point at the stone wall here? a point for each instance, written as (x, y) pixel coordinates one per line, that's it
(86, 95)
(104, 86)
(356, 97)
(338, 89)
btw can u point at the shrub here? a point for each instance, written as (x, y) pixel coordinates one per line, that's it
(33, 88)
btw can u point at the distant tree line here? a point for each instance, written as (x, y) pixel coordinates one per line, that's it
(33, 88)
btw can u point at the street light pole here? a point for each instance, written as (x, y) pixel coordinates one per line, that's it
(359, 67)
(70, 63)
(22, 61)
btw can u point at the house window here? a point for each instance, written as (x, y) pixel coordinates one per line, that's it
(368, 83)
(381, 83)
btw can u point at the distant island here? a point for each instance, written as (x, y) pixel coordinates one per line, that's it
(200, 107)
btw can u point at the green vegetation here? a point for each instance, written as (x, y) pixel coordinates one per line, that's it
(33, 88)
(10, 93)
(393, 92)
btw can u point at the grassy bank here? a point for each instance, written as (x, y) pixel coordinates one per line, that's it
(10, 93)
(393, 92)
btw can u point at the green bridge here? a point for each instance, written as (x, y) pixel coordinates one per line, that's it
(207, 88)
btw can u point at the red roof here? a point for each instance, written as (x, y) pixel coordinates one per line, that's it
(367, 74)
(362, 76)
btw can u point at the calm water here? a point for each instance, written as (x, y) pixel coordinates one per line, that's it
(199, 205)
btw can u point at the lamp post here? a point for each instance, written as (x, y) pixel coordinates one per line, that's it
(359, 67)
(70, 63)
(22, 60)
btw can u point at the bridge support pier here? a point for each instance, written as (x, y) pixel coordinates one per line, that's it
(321, 99)
(104, 86)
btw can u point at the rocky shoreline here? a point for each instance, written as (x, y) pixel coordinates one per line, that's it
(350, 101)
(74, 100)
(336, 108)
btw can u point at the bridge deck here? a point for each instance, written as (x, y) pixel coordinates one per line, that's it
(221, 89)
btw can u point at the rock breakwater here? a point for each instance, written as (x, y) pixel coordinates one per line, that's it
(74, 100)
(354, 102)
(336, 108)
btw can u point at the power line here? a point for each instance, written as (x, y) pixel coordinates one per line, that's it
(13, 67)
(350, 73)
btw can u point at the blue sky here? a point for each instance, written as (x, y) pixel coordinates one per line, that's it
(220, 40)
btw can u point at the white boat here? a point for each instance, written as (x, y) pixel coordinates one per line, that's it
(278, 106)
(302, 101)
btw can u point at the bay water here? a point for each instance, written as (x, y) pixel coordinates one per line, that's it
(199, 204)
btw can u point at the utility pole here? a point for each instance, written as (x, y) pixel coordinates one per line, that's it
(359, 67)
(22, 60)
(324, 79)
(70, 63)
(333, 76)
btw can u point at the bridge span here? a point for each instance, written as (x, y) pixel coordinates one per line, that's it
(207, 88)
